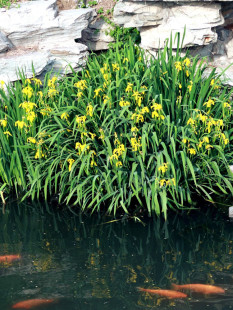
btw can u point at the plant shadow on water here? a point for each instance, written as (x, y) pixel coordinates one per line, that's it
(86, 263)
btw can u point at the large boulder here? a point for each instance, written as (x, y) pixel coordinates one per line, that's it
(156, 21)
(38, 24)
(37, 29)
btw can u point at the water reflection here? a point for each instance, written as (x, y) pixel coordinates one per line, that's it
(84, 263)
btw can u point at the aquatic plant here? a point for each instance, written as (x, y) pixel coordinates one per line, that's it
(131, 132)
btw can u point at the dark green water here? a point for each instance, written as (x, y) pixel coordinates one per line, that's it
(88, 264)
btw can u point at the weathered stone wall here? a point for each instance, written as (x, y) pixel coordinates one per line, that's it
(204, 22)
(209, 26)
(156, 20)
(38, 32)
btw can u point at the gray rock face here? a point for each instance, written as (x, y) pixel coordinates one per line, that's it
(221, 63)
(139, 14)
(10, 65)
(195, 16)
(229, 48)
(227, 12)
(36, 24)
(73, 55)
(27, 20)
(198, 18)
(96, 36)
(208, 23)
(156, 38)
(5, 44)
(37, 29)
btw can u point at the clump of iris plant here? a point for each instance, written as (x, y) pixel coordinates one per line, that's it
(129, 133)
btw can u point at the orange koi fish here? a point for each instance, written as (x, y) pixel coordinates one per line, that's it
(164, 293)
(9, 258)
(199, 288)
(31, 303)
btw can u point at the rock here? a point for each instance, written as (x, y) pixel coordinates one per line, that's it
(198, 20)
(224, 67)
(227, 12)
(68, 26)
(230, 211)
(195, 16)
(29, 21)
(58, 60)
(44, 26)
(202, 51)
(155, 38)
(73, 55)
(10, 65)
(5, 44)
(39, 28)
(75, 20)
(229, 48)
(42, 35)
(96, 36)
(139, 14)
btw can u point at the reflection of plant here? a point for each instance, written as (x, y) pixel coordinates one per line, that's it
(100, 285)
(89, 258)
(44, 263)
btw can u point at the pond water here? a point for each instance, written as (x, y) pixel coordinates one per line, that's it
(89, 264)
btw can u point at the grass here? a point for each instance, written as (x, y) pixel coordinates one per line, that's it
(130, 133)
(6, 3)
